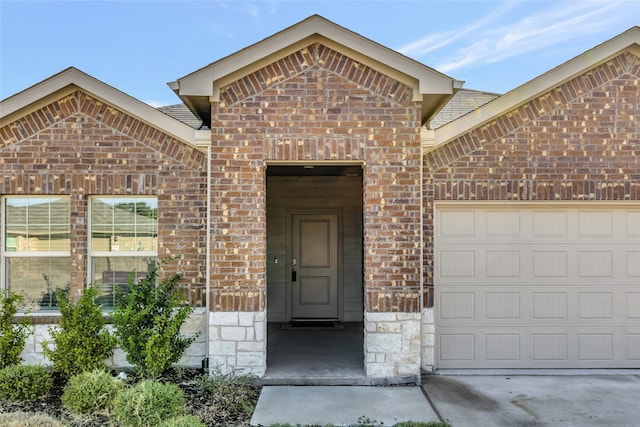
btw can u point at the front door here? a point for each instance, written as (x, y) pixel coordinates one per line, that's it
(314, 266)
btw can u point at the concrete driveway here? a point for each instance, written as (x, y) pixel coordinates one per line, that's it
(500, 400)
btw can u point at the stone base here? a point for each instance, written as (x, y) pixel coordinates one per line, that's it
(428, 340)
(192, 358)
(238, 342)
(392, 345)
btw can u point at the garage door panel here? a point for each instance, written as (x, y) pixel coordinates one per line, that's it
(508, 347)
(457, 305)
(633, 263)
(633, 347)
(521, 304)
(502, 306)
(502, 347)
(538, 264)
(538, 287)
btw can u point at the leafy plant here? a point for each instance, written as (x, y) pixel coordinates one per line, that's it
(24, 382)
(147, 323)
(230, 398)
(148, 404)
(91, 392)
(13, 335)
(368, 422)
(81, 342)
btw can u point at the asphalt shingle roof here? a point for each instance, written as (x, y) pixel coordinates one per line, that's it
(463, 102)
(182, 113)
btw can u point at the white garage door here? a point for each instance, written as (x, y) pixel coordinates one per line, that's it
(537, 285)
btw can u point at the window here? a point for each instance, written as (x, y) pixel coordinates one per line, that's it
(123, 241)
(36, 247)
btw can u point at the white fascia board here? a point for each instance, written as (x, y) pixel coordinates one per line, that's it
(95, 87)
(200, 83)
(629, 40)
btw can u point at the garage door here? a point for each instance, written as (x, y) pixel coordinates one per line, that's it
(537, 285)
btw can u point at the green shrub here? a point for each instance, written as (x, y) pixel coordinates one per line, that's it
(24, 382)
(147, 323)
(24, 419)
(183, 421)
(230, 399)
(12, 335)
(80, 341)
(91, 392)
(148, 404)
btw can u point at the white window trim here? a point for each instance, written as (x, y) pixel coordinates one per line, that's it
(112, 254)
(4, 279)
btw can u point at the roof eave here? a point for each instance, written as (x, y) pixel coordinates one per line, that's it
(199, 85)
(13, 107)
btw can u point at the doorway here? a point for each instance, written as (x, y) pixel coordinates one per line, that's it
(314, 272)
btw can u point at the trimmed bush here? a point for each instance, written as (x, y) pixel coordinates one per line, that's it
(12, 334)
(80, 341)
(24, 382)
(91, 392)
(148, 404)
(183, 421)
(147, 323)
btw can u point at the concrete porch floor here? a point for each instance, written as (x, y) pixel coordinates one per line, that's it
(307, 356)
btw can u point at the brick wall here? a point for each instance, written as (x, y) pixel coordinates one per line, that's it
(79, 146)
(578, 141)
(316, 104)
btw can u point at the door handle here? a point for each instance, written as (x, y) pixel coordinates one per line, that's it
(294, 275)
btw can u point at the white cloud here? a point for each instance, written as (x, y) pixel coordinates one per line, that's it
(155, 103)
(485, 42)
(437, 41)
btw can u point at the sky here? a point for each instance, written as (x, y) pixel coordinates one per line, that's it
(137, 46)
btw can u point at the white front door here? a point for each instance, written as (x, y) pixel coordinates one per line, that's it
(314, 266)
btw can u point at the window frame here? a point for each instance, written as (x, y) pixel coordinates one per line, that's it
(5, 255)
(93, 254)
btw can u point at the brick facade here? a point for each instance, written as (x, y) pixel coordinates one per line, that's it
(577, 141)
(316, 104)
(79, 146)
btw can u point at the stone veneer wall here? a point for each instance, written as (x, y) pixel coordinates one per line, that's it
(238, 342)
(193, 356)
(428, 343)
(392, 345)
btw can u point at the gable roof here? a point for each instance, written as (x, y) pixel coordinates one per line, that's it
(463, 102)
(432, 87)
(182, 113)
(72, 79)
(627, 41)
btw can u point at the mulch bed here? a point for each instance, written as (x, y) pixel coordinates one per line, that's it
(197, 403)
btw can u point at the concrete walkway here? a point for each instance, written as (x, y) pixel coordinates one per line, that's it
(462, 400)
(340, 405)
